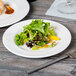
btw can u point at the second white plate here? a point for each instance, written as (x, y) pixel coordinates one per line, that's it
(21, 8)
(9, 36)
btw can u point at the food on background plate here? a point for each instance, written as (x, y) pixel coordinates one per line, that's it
(37, 35)
(9, 10)
(1, 6)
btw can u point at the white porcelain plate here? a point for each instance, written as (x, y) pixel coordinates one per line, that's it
(9, 36)
(21, 8)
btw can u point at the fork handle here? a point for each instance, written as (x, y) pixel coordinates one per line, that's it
(46, 64)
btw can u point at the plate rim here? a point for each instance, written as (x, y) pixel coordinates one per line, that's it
(37, 56)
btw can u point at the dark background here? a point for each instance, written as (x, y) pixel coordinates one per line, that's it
(31, 0)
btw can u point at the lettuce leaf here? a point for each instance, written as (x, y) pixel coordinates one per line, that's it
(36, 25)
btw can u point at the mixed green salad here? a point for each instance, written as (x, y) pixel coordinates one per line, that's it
(38, 34)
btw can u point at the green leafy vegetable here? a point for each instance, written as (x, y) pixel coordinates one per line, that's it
(36, 34)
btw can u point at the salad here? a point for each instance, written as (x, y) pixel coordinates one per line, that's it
(37, 35)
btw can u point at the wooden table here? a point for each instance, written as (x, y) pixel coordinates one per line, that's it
(62, 68)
